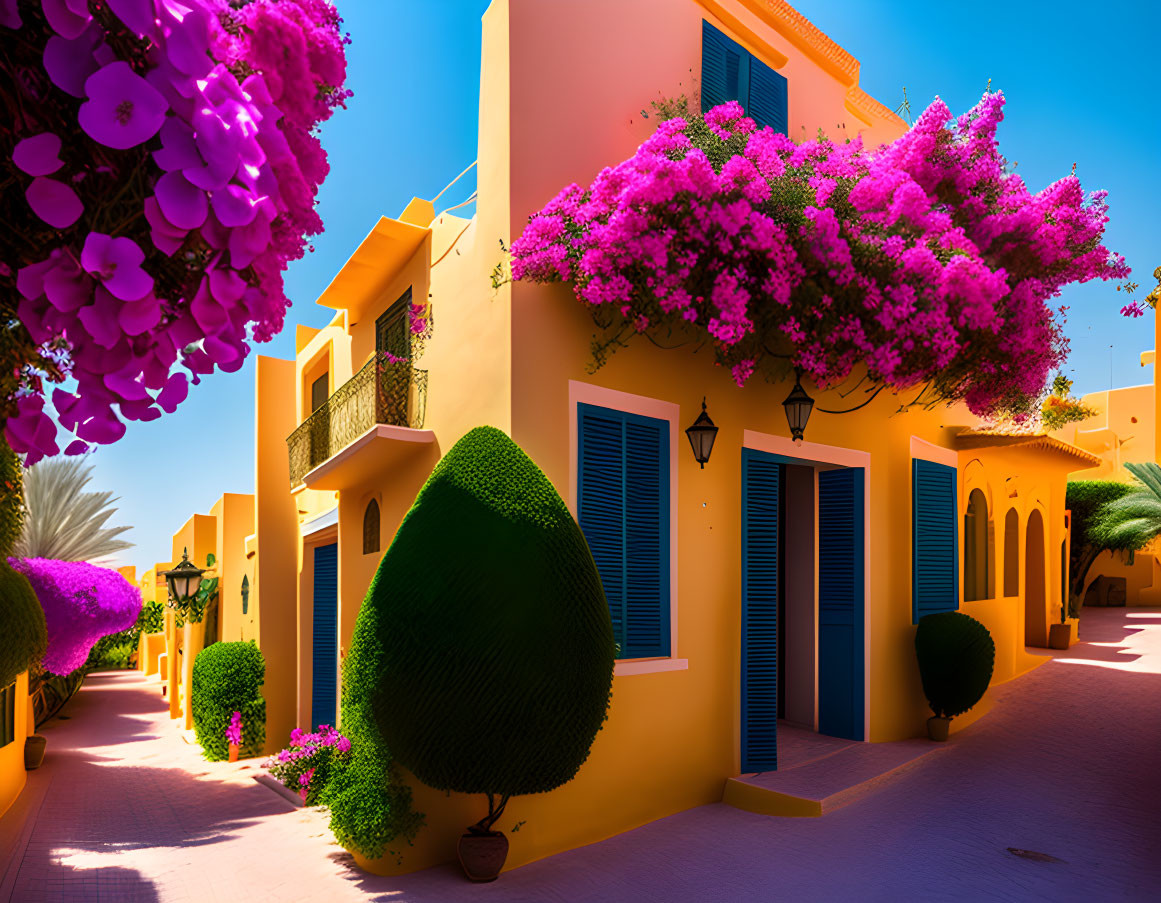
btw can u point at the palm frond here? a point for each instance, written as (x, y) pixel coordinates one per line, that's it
(63, 521)
(1149, 473)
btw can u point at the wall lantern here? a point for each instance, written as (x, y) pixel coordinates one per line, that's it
(701, 436)
(184, 579)
(798, 407)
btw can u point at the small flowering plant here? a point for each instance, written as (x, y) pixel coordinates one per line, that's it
(305, 765)
(926, 261)
(234, 730)
(1060, 407)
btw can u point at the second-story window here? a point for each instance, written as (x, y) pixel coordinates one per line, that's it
(392, 329)
(319, 392)
(371, 528)
(730, 72)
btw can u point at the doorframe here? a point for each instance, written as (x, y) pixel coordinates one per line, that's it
(817, 453)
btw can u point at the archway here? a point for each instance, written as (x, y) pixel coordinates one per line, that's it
(1035, 616)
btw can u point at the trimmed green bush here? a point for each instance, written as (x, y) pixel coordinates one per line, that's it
(116, 649)
(482, 657)
(23, 637)
(956, 657)
(227, 678)
(11, 499)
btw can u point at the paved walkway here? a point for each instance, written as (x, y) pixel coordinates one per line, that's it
(1066, 767)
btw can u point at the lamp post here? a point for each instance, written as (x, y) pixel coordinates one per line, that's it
(183, 582)
(798, 407)
(701, 436)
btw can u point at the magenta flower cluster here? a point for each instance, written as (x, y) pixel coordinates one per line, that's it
(203, 114)
(310, 754)
(925, 261)
(234, 729)
(82, 603)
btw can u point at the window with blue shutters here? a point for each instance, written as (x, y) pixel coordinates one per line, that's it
(623, 510)
(935, 539)
(730, 72)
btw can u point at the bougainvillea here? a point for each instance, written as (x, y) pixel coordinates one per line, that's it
(159, 166)
(926, 260)
(82, 603)
(305, 765)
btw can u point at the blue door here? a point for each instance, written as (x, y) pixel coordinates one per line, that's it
(840, 602)
(325, 660)
(761, 578)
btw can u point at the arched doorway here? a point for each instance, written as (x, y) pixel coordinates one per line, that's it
(1035, 618)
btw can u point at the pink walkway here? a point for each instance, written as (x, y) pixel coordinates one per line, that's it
(1067, 767)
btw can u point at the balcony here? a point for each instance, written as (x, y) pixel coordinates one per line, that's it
(384, 393)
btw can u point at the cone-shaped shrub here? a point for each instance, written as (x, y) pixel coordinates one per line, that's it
(22, 630)
(956, 656)
(482, 657)
(227, 678)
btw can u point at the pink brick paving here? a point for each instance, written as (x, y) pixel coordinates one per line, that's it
(1067, 764)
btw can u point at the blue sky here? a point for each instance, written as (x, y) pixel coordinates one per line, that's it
(1079, 84)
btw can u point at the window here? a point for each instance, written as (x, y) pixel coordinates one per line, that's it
(7, 714)
(623, 510)
(934, 539)
(319, 392)
(371, 528)
(977, 549)
(245, 594)
(392, 329)
(1011, 553)
(730, 72)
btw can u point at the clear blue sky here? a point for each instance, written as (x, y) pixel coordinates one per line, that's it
(1080, 87)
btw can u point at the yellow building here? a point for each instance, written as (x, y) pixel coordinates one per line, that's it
(883, 515)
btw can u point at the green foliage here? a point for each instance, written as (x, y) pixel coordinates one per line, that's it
(23, 638)
(1092, 531)
(482, 658)
(11, 499)
(1084, 498)
(227, 678)
(1132, 521)
(116, 650)
(956, 656)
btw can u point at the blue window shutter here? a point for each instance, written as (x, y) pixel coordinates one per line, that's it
(325, 620)
(935, 538)
(761, 496)
(623, 511)
(841, 602)
(725, 69)
(767, 100)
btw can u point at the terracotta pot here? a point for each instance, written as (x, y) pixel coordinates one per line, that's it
(1060, 636)
(937, 728)
(482, 855)
(233, 752)
(34, 752)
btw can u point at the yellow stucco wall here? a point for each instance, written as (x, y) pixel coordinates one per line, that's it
(12, 774)
(234, 520)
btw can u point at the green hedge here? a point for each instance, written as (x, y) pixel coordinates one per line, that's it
(116, 649)
(23, 638)
(482, 657)
(956, 656)
(227, 678)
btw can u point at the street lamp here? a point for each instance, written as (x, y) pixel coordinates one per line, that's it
(701, 436)
(798, 407)
(183, 580)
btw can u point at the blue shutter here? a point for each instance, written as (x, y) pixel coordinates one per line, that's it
(768, 104)
(841, 602)
(324, 686)
(761, 496)
(725, 69)
(935, 539)
(623, 511)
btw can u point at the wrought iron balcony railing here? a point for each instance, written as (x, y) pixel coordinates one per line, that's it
(383, 391)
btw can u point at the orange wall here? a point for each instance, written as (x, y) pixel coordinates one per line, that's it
(12, 774)
(234, 521)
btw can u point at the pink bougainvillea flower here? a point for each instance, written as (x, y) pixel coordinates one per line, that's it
(178, 150)
(54, 202)
(116, 262)
(139, 15)
(234, 206)
(122, 109)
(31, 430)
(66, 285)
(138, 317)
(181, 203)
(167, 237)
(70, 62)
(175, 392)
(9, 14)
(187, 37)
(100, 319)
(38, 155)
(68, 18)
(77, 447)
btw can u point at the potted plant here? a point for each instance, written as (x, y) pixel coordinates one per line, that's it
(34, 751)
(306, 765)
(956, 656)
(234, 735)
(1063, 635)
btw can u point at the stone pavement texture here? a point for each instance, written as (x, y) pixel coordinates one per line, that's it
(1067, 766)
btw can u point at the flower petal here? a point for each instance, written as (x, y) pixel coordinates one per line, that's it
(181, 203)
(54, 202)
(38, 155)
(122, 109)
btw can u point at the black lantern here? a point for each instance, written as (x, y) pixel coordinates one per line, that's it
(184, 579)
(798, 407)
(701, 436)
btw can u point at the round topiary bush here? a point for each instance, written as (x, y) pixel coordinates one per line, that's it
(956, 656)
(227, 678)
(482, 657)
